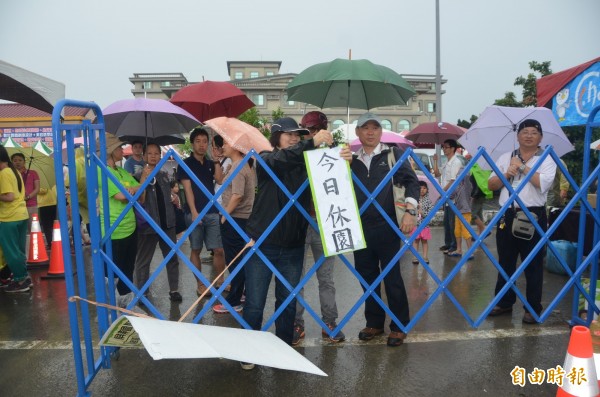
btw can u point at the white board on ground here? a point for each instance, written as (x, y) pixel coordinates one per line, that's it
(169, 339)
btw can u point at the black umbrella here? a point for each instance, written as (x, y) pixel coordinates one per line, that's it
(141, 119)
(160, 140)
(27, 88)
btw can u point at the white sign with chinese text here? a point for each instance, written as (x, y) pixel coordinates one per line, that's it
(335, 202)
(170, 339)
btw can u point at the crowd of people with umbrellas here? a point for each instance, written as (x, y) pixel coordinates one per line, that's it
(514, 140)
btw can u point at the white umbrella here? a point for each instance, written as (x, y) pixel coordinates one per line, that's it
(496, 131)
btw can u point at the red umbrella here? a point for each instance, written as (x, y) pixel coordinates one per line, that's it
(211, 99)
(434, 133)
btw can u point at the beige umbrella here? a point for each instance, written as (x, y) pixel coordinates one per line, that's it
(241, 136)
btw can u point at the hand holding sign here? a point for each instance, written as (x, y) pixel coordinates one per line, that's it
(346, 154)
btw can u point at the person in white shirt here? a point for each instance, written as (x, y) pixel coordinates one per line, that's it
(447, 176)
(515, 166)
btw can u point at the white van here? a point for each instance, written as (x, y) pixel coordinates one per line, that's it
(426, 157)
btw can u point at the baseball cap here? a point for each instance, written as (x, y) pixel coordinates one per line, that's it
(313, 119)
(366, 117)
(530, 123)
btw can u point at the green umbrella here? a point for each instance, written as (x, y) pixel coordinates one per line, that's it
(358, 84)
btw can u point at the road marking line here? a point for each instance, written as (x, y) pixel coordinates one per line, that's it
(417, 337)
(414, 337)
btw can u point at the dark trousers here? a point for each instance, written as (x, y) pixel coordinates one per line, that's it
(449, 220)
(233, 243)
(382, 245)
(288, 261)
(47, 217)
(509, 248)
(123, 253)
(146, 245)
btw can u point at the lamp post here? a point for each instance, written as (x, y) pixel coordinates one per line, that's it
(438, 73)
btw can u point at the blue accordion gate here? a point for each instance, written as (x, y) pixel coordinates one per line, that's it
(87, 328)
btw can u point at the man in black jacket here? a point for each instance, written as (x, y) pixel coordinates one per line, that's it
(284, 245)
(370, 165)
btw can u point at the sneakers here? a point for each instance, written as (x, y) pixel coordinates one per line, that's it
(339, 337)
(396, 338)
(298, 334)
(369, 333)
(175, 296)
(5, 282)
(18, 286)
(28, 281)
(222, 309)
(246, 366)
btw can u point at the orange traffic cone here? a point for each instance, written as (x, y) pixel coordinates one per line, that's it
(37, 249)
(57, 266)
(595, 331)
(580, 371)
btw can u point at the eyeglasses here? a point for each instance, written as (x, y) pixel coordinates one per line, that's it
(446, 147)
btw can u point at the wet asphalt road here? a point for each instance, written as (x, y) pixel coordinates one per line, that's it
(443, 354)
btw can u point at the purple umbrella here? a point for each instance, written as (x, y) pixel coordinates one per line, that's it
(386, 137)
(147, 118)
(496, 131)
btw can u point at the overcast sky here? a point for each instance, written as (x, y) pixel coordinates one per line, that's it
(94, 47)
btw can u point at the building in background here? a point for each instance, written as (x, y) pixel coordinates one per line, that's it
(260, 80)
(157, 85)
(266, 87)
(26, 125)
